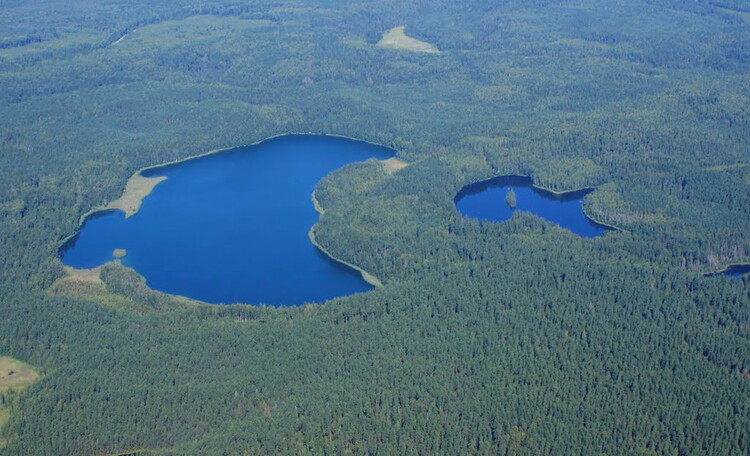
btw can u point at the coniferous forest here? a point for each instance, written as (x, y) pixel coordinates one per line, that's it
(514, 338)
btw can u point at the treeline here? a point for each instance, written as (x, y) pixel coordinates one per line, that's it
(488, 355)
(514, 338)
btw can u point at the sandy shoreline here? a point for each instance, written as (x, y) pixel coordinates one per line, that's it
(366, 276)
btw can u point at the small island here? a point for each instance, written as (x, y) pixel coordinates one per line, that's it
(510, 198)
(119, 253)
(481, 200)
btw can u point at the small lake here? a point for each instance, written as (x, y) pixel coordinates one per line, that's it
(232, 226)
(487, 200)
(734, 270)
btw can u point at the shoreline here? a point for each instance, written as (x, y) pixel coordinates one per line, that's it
(553, 192)
(138, 174)
(136, 190)
(607, 225)
(138, 187)
(725, 269)
(583, 208)
(269, 138)
(366, 276)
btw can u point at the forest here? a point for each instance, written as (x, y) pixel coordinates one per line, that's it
(514, 338)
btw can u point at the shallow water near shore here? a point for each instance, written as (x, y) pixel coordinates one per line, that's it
(232, 226)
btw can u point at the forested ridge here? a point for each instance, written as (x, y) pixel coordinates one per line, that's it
(517, 338)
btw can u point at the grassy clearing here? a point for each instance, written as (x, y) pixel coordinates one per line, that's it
(137, 188)
(79, 282)
(394, 164)
(14, 375)
(86, 284)
(395, 38)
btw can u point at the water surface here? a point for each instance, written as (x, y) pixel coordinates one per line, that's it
(486, 200)
(734, 270)
(232, 226)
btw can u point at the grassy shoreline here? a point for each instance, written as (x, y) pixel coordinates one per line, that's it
(137, 188)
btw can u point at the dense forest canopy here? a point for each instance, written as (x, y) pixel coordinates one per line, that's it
(513, 338)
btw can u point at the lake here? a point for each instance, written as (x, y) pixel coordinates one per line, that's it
(232, 226)
(733, 270)
(486, 200)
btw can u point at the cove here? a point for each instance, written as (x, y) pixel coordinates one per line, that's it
(232, 226)
(486, 200)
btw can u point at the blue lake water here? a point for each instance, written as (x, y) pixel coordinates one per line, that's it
(734, 270)
(232, 226)
(486, 200)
